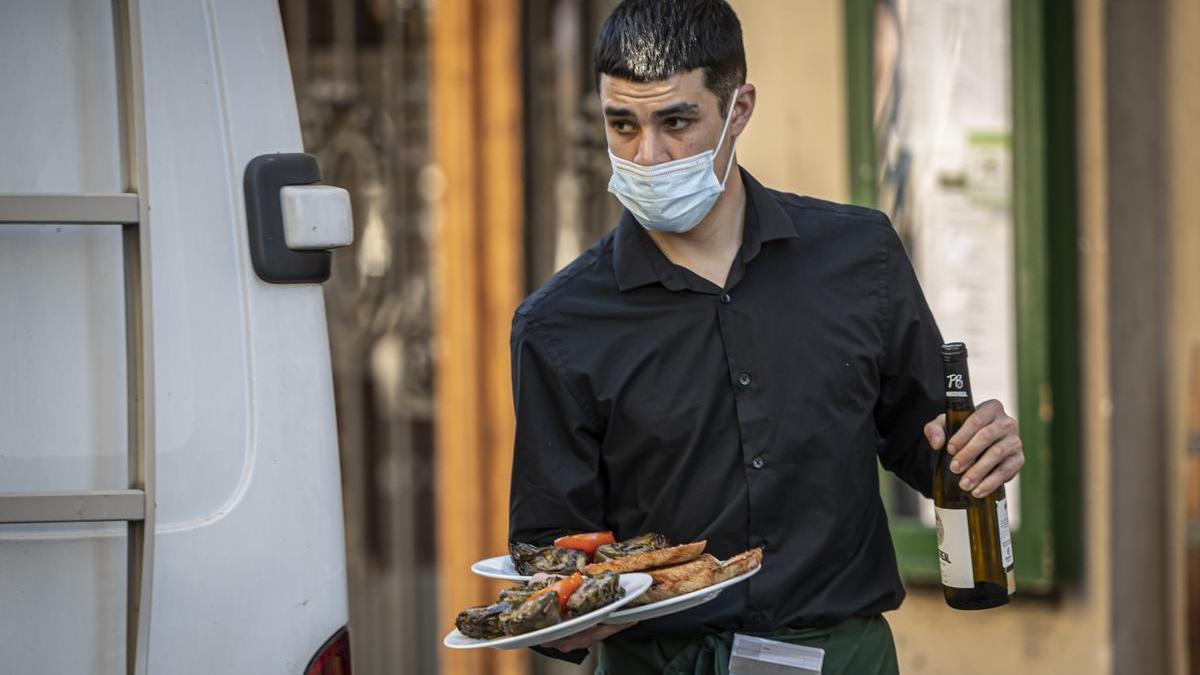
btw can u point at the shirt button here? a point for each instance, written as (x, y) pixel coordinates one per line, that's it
(758, 462)
(744, 379)
(725, 299)
(758, 617)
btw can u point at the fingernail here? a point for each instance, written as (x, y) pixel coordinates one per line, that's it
(954, 467)
(967, 484)
(951, 449)
(977, 493)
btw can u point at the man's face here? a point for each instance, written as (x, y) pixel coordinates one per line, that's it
(654, 122)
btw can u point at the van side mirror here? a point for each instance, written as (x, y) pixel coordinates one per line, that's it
(292, 222)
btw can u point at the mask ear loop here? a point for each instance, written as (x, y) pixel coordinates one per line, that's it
(733, 149)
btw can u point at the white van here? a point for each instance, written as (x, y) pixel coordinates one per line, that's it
(170, 499)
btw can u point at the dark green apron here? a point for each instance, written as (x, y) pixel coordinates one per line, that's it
(856, 646)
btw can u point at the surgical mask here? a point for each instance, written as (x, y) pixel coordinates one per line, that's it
(673, 196)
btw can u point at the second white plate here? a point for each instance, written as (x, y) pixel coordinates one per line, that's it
(500, 567)
(676, 604)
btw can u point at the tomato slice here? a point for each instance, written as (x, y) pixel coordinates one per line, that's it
(588, 542)
(564, 587)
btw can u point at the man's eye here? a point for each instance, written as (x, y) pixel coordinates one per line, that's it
(677, 123)
(622, 126)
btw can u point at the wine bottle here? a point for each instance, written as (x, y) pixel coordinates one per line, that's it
(974, 546)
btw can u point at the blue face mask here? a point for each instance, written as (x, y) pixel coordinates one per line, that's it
(673, 196)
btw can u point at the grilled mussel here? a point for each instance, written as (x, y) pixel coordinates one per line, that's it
(640, 544)
(515, 595)
(530, 559)
(482, 623)
(535, 613)
(596, 592)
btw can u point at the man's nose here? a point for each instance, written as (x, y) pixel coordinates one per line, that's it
(651, 150)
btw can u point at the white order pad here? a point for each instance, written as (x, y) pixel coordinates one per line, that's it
(759, 656)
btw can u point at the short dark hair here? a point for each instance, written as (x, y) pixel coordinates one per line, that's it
(651, 40)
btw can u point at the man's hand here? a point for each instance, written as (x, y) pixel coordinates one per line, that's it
(588, 637)
(987, 448)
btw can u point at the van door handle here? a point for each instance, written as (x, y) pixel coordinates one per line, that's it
(292, 222)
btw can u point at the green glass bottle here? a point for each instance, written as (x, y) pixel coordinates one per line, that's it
(974, 545)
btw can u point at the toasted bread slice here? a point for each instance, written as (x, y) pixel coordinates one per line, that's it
(739, 565)
(707, 571)
(678, 573)
(649, 560)
(677, 580)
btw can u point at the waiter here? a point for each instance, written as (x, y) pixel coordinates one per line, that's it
(728, 364)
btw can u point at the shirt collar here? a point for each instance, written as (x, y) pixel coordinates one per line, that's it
(637, 260)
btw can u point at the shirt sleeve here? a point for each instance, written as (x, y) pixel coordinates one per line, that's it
(910, 392)
(556, 485)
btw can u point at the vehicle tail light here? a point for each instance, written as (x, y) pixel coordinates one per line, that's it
(333, 658)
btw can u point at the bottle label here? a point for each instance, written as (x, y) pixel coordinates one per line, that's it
(955, 386)
(954, 548)
(1005, 538)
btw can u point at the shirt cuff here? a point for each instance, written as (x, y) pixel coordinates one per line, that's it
(575, 657)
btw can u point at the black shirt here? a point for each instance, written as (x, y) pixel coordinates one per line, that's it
(650, 400)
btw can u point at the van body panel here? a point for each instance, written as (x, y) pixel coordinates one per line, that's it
(249, 569)
(61, 298)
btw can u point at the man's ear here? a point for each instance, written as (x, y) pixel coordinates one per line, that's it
(743, 109)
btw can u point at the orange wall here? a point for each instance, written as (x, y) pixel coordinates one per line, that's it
(796, 140)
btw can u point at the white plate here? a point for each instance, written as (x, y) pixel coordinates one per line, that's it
(677, 604)
(634, 584)
(500, 567)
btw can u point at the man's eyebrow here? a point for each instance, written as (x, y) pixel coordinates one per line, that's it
(669, 111)
(677, 109)
(610, 111)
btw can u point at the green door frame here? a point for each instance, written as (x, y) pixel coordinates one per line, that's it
(1047, 544)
